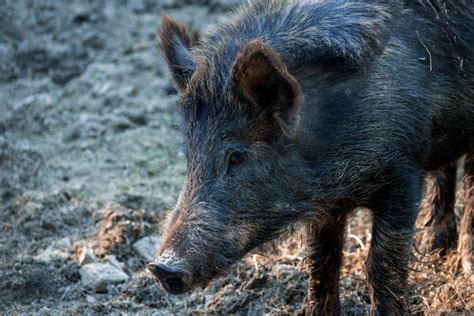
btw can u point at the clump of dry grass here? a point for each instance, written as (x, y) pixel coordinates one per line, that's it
(438, 283)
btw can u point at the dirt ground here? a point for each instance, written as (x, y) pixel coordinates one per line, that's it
(90, 160)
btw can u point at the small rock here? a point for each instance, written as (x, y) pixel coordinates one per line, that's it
(120, 124)
(147, 247)
(63, 244)
(137, 117)
(64, 74)
(98, 276)
(113, 261)
(48, 254)
(90, 299)
(94, 41)
(58, 250)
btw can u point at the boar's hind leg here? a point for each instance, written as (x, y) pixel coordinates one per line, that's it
(394, 216)
(324, 246)
(466, 230)
(437, 212)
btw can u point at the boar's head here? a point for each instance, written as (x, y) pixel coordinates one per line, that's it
(244, 182)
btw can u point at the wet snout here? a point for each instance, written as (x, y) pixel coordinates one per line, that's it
(172, 279)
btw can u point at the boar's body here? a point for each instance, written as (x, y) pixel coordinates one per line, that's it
(304, 110)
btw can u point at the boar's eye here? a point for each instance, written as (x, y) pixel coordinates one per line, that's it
(237, 158)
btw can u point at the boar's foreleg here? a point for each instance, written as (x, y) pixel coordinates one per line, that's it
(394, 210)
(324, 247)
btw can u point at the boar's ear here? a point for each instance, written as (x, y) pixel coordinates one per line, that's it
(175, 43)
(260, 74)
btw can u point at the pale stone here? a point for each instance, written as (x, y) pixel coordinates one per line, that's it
(57, 250)
(147, 247)
(98, 276)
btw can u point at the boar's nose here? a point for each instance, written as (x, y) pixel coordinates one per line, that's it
(170, 279)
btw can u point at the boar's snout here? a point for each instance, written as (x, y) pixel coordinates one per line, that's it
(171, 279)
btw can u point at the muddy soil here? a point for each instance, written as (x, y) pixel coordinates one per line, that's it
(90, 164)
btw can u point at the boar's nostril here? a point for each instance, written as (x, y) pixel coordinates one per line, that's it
(169, 278)
(175, 284)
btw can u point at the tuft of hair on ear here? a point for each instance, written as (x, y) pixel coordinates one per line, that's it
(175, 44)
(261, 76)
